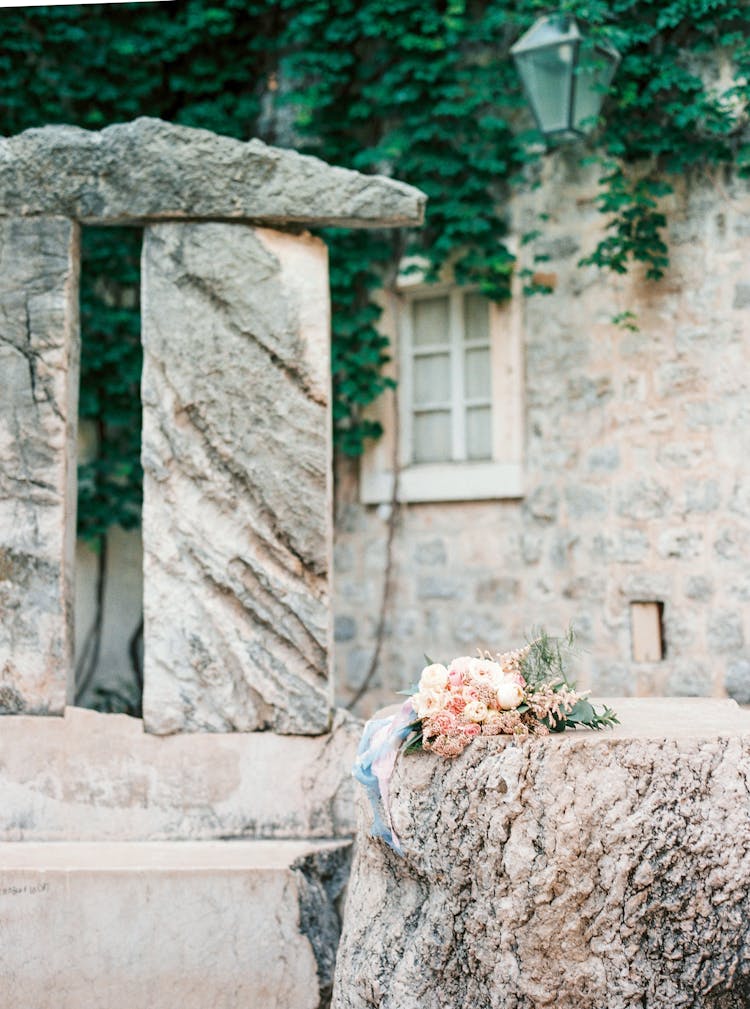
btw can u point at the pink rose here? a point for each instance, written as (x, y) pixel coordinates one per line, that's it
(456, 703)
(456, 679)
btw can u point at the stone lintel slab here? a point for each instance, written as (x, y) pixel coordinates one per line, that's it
(114, 782)
(169, 926)
(237, 516)
(39, 354)
(580, 870)
(148, 169)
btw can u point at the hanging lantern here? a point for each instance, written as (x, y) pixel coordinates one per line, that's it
(564, 78)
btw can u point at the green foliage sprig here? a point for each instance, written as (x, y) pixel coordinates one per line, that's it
(423, 91)
(546, 662)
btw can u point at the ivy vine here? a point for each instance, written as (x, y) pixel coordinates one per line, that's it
(421, 90)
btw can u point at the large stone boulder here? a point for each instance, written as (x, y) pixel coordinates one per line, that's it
(595, 871)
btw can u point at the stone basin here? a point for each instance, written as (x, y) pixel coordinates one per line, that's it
(591, 870)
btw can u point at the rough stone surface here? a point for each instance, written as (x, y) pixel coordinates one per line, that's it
(38, 414)
(580, 871)
(169, 926)
(236, 456)
(89, 776)
(149, 169)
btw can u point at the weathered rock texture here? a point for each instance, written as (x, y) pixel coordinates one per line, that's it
(149, 169)
(236, 454)
(90, 776)
(584, 871)
(169, 926)
(38, 414)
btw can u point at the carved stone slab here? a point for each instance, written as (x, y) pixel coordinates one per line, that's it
(236, 453)
(114, 782)
(149, 169)
(181, 925)
(39, 350)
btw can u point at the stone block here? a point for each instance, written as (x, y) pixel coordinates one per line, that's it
(112, 781)
(170, 926)
(188, 173)
(681, 543)
(724, 633)
(741, 295)
(699, 587)
(677, 378)
(604, 459)
(702, 496)
(702, 416)
(585, 870)
(582, 501)
(237, 481)
(740, 499)
(543, 503)
(358, 663)
(643, 499)
(737, 681)
(498, 590)
(439, 587)
(628, 546)
(39, 350)
(688, 678)
(344, 628)
(430, 552)
(732, 543)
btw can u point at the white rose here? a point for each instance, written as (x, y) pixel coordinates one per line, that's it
(434, 677)
(509, 694)
(489, 673)
(475, 711)
(429, 702)
(463, 665)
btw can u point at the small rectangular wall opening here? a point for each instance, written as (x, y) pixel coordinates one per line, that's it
(109, 553)
(647, 631)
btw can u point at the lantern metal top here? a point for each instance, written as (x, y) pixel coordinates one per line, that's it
(550, 30)
(564, 77)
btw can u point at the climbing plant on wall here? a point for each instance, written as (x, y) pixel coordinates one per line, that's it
(422, 90)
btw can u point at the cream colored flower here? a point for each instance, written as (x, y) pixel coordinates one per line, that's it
(464, 665)
(434, 677)
(475, 711)
(485, 672)
(429, 702)
(509, 694)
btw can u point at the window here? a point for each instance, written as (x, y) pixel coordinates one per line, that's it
(446, 364)
(457, 360)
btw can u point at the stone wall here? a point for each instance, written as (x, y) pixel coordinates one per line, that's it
(637, 473)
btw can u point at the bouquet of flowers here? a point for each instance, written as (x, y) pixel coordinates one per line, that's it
(520, 693)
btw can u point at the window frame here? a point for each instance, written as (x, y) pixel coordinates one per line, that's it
(498, 478)
(455, 348)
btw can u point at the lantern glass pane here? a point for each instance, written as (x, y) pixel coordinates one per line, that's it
(593, 77)
(547, 75)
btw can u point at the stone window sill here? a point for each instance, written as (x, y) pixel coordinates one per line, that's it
(462, 481)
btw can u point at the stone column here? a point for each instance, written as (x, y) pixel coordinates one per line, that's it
(236, 454)
(39, 352)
